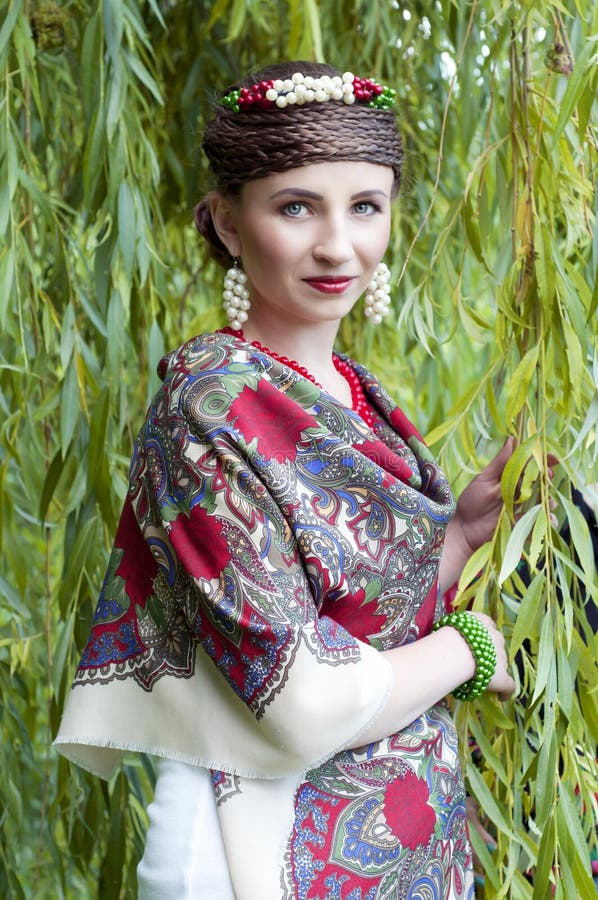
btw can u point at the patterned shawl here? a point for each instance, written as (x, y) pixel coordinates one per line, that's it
(269, 546)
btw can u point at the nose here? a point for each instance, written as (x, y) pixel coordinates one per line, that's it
(334, 242)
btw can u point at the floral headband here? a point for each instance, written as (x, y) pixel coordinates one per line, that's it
(300, 89)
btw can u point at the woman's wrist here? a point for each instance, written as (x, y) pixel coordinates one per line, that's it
(481, 646)
(456, 552)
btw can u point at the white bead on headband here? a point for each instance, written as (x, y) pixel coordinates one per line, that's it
(300, 89)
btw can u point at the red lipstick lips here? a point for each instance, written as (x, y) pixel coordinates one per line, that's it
(330, 284)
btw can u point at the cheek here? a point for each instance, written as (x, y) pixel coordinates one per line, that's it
(380, 242)
(270, 251)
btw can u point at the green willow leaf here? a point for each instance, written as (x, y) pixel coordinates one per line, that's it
(543, 869)
(218, 13)
(11, 597)
(538, 540)
(61, 649)
(113, 15)
(514, 550)
(156, 11)
(98, 439)
(568, 810)
(575, 86)
(576, 362)
(530, 609)
(513, 472)
(69, 407)
(487, 800)
(115, 341)
(117, 96)
(486, 858)
(490, 754)
(144, 76)
(593, 308)
(9, 24)
(545, 270)
(580, 536)
(93, 154)
(546, 666)
(472, 231)
(238, 16)
(313, 17)
(7, 284)
(111, 872)
(91, 62)
(53, 473)
(474, 564)
(126, 227)
(519, 383)
(75, 564)
(566, 674)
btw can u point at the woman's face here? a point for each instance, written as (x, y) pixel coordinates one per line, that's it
(310, 238)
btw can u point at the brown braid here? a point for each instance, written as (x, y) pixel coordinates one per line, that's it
(242, 146)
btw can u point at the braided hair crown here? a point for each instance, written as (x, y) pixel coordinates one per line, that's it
(248, 144)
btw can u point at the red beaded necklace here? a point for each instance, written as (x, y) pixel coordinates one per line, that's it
(359, 403)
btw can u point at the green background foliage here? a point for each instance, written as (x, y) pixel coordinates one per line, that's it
(494, 333)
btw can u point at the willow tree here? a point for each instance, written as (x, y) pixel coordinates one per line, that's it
(494, 334)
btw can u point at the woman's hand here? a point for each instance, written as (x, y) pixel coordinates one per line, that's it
(501, 682)
(480, 504)
(473, 820)
(478, 510)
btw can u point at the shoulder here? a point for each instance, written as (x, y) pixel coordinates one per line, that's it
(216, 387)
(203, 377)
(208, 355)
(227, 365)
(218, 379)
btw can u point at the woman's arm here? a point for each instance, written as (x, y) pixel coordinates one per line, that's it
(431, 668)
(426, 671)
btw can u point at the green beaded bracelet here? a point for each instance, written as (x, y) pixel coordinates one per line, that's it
(480, 643)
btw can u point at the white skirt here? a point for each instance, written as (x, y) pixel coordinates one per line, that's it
(184, 857)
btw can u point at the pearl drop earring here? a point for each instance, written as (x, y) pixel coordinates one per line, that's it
(235, 297)
(377, 297)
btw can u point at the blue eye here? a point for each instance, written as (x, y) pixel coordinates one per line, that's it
(294, 209)
(365, 208)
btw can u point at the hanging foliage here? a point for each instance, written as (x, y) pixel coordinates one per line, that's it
(494, 334)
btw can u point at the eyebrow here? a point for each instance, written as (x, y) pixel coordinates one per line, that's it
(302, 192)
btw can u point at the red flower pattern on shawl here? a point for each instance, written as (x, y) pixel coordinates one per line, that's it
(137, 567)
(200, 544)
(407, 811)
(276, 422)
(384, 457)
(362, 619)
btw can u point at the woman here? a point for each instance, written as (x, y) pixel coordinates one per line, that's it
(266, 623)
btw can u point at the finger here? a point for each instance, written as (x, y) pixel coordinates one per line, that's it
(551, 461)
(485, 835)
(495, 467)
(507, 692)
(503, 455)
(473, 817)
